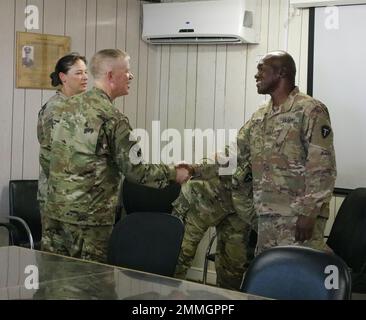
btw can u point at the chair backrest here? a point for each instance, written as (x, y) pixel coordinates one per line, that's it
(147, 241)
(23, 203)
(139, 198)
(348, 234)
(298, 273)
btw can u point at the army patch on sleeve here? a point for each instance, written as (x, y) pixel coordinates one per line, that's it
(326, 130)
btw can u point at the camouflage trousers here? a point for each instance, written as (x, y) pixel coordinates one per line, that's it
(84, 242)
(280, 231)
(232, 239)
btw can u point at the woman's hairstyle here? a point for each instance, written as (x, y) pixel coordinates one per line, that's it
(63, 65)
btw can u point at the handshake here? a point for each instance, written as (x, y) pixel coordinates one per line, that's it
(183, 172)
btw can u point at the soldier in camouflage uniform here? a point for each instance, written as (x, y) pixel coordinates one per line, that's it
(71, 74)
(206, 201)
(290, 142)
(90, 150)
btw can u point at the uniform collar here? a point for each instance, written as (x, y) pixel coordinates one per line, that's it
(60, 94)
(102, 93)
(286, 106)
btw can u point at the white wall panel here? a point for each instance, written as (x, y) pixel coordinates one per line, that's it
(133, 47)
(191, 99)
(177, 87)
(54, 23)
(6, 97)
(303, 60)
(18, 106)
(220, 81)
(164, 86)
(142, 85)
(54, 16)
(121, 28)
(106, 24)
(255, 52)
(75, 24)
(90, 29)
(152, 90)
(274, 25)
(297, 35)
(235, 86)
(206, 71)
(33, 102)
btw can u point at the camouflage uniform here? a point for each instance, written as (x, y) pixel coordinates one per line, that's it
(293, 165)
(89, 151)
(206, 202)
(44, 127)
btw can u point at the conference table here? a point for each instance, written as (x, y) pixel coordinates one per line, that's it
(31, 274)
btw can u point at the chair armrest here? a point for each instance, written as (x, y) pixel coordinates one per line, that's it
(27, 229)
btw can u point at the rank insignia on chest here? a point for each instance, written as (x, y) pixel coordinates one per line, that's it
(286, 119)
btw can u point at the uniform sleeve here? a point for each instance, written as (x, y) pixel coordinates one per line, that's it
(242, 187)
(320, 167)
(39, 127)
(124, 152)
(205, 171)
(42, 179)
(44, 152)
(210, 167)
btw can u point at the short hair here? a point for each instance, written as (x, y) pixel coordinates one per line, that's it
(63, 65)
(103, 57)
(283, 61)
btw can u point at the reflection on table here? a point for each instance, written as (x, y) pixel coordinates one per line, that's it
(68, 278)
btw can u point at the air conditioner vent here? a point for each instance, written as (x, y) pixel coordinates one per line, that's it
(206, 22)
(188, 40)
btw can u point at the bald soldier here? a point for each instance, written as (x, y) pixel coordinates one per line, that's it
(290, 142)
(206, 201)
(90, 149)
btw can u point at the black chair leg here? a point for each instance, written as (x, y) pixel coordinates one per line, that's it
(208, 257)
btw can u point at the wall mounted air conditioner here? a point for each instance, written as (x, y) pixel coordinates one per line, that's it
(211, 22)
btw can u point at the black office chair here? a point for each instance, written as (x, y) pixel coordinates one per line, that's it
(24, 211)
(210, 256)
(147, 241)
(297, 273)
(140, 198)
(348, 236)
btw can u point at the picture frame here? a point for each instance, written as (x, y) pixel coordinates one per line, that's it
(36, 57)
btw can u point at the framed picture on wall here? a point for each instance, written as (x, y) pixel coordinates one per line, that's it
(36, 57)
